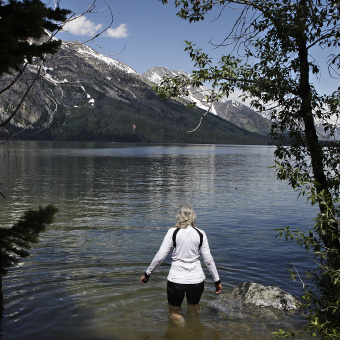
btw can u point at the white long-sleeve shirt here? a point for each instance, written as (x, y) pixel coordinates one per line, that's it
(186, 266)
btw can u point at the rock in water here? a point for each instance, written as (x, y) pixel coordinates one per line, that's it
(251, 311)
(269, 296)
(250, 294)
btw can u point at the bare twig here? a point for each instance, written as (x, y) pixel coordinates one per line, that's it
(2, 193)
(297, 272)
(200, 122)
(6, 121)
(105, 29)
(15, 79)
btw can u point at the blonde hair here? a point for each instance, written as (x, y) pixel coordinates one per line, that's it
(185, 217)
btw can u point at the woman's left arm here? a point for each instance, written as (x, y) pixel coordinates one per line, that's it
(210, 263)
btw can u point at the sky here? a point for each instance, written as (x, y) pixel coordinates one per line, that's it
(146, 33)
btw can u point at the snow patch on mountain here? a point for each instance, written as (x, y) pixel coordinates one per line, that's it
(155, 78)
(230, 110)
(197, 95)
(87, 52)
(44, 73)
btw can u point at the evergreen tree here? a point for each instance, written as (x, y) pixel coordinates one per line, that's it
(17, 240)
(26, 33)
(23, 27)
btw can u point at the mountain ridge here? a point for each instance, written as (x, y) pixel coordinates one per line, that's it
(230, 110)
(83, 95)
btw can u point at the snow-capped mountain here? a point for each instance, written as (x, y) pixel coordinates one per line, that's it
(231, 110)
(155, 75)
(93, 56)
(82, 95)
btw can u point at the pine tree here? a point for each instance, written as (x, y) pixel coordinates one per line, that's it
(22, 25)
(17, 240)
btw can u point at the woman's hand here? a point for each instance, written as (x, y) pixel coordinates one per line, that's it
(144, 279)
(218, 287)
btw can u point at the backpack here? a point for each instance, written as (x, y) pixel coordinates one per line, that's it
(177, 230)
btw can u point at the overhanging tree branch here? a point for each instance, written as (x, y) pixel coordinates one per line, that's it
(6, 121)
(51, 43)
(14, 80)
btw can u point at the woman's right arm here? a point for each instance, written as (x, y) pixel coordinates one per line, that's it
(163, 251)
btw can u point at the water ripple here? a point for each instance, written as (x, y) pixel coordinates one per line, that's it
(115, 206)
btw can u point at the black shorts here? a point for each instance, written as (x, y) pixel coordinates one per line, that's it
(177, 291)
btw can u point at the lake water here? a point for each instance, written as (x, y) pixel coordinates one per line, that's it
(115, 204)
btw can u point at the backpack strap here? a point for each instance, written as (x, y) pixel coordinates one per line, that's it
(174, 237)
(177, 230)
(201, 238)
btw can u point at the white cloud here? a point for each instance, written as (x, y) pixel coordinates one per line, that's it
(119, 32)
(84, 26)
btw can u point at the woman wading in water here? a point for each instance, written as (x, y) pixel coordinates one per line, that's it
(186, 277)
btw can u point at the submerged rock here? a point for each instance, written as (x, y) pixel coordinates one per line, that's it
(251, 298)
(251, 310)
(262, 296)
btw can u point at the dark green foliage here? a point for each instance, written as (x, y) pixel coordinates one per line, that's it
(22, 24)
(17, 240)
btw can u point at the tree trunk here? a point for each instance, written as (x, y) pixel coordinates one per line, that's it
(1, 302)
(316, 153)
